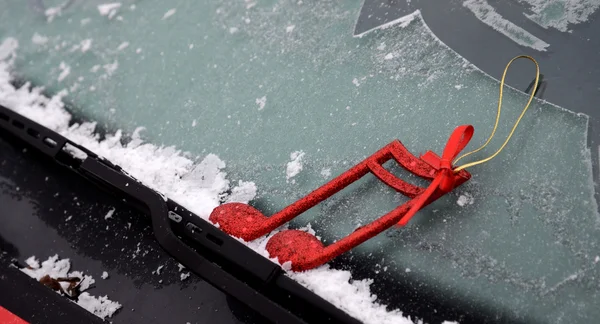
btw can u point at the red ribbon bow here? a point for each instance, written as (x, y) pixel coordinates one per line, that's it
(444, 180)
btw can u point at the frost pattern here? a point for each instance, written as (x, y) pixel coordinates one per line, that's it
(488, 15)
(560, 14)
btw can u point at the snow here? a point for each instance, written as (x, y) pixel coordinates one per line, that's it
(52, 13)
(243, 192)
(65, 70)
(326, 173)
(352, 296)
(169, 13)
(123, 46)
(7, 48)
(261, 102)
(290, 28)
(85, 44)
(111, 67)
(233, 30)
(488, 15)
(388, 56)
(295, 165)
(109, 214)
(184, 276)
(99, 306)
(38, 39)
(109, 9)
(198, 185)
(104, 275)
(55, 268)
(32, 262)
(465, 199)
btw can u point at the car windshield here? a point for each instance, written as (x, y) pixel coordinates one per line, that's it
(290, 94)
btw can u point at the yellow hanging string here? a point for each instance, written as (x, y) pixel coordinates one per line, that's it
(535, 86)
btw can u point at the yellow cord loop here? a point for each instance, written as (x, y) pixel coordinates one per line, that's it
(535, 86)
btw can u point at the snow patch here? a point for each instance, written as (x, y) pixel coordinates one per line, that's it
(99, 306)
(243, 192)
(169, 13)
(123, 46)
(65, 70)
(109, 9)
(290, 28)
(109, 214)
(261, 102)
(104, 275)
(38, 39)
(111, 67)
(465, 199)
(295, 165)
(59, 268)
(8, 49)
(352, 296)
(326, 173)
(85, 44)
(52, 13)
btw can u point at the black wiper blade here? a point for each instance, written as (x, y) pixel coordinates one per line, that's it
(202, 248)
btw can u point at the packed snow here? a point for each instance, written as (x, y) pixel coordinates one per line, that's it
(59, 268)
(199, 185)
